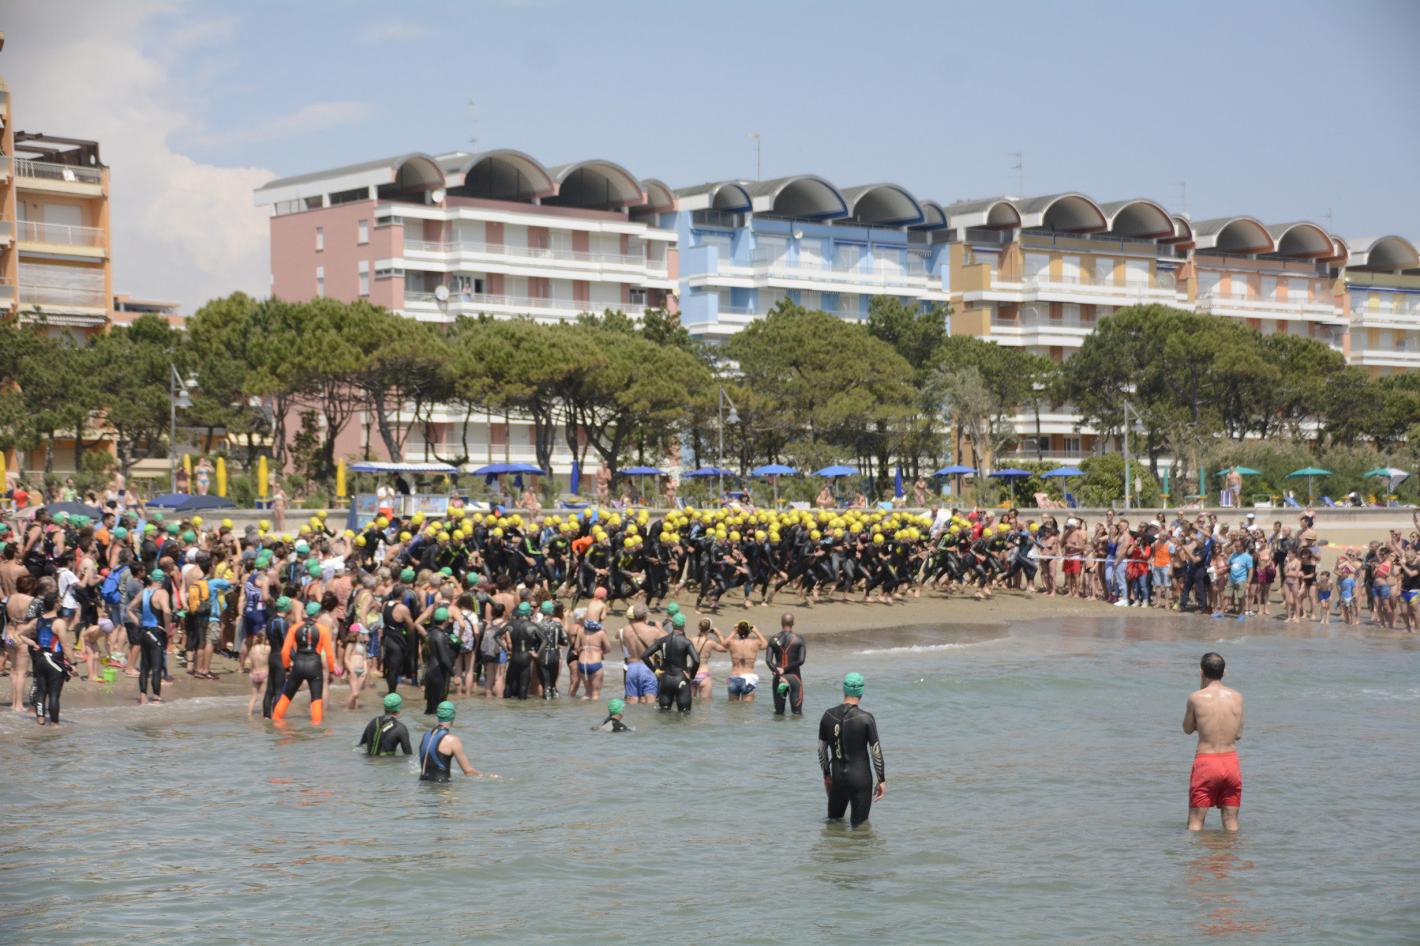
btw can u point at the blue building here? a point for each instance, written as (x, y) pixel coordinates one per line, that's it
(746, 245)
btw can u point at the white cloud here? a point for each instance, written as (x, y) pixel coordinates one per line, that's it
(182, 229)
(394, 32)
(318, 116)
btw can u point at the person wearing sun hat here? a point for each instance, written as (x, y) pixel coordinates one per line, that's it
(385, 734)
(851, 755)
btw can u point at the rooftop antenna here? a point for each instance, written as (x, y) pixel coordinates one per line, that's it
(1182, 197)
(1020, 168)
(758, 157)
(1330, 225)
(472, 109)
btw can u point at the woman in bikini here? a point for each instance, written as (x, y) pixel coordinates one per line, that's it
(706, 642)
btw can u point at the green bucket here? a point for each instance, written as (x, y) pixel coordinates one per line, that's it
(110, 674)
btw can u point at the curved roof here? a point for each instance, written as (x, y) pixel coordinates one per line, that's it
(658, 195)
(503, 174)
(376, 173)
(1301, 239)
(418, 171)
(994, 212)
(1384, 254)
(1182, 229)
(800, 195)
(887, 205)
(1139, 217)
(729, 196)
(1232, 235)
(595, 184)
(933, 216)
(1067, 213)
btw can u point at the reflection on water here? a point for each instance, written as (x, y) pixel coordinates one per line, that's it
(1002, 749)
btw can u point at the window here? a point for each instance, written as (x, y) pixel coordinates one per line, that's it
(345, 197)
(363, 234)
(637, 297)
(364, 277)
(320, 239)
(320, 282)
(1071, 445)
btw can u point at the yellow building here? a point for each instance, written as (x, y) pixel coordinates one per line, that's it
(1382, 279)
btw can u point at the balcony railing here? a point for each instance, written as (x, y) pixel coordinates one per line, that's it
(48, 170)
(481, 300)
(1210, 302)
(61, 296)
(59, 234)
(872, 272)
(535, 252)
(1090, 283)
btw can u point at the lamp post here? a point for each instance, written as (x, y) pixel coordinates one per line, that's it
(177, 397)
(734, 418)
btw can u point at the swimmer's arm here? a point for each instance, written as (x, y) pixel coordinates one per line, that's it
(1190, 721)
(875, 751)
(456, 750)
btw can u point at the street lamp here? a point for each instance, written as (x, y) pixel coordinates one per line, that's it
(177, 397)
(733, 418)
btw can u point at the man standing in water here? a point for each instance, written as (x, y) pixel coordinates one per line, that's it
(386, 735)
(850, 755)
(439, 748)
(1215, 712)
(744, 647)
(786, 661)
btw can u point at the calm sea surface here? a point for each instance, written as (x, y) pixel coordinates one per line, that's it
(1037, 794)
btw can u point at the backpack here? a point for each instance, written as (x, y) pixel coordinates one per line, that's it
(112, 588)
(489, 646)
(197, 596)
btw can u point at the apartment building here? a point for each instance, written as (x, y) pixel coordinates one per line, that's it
(747, 245)
(436, 237)
(1382, 285)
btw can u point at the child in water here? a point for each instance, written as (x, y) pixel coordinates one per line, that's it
(355, 662)
(256, 659)
(1323, 597)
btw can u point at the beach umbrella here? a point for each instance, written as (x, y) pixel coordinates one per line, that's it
(772, 472)
(1393, 475)
(641, 471)
(956, 469)
(835, 471)
(187, 468)
(1310, 472)
(4, 476)
(1240, 470)
(1064, 471)
(709, 471)
(339, 477)
(74, 509)
(261, 476)
(499, 469)
(182, 502)
(897, 489)
(576, 477)
(1012, 474)
(221, 476)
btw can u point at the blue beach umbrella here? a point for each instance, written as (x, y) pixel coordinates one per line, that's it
(835, 471)
(576, 477)
(709, 471)
(1064, 471)
(897, 489)
(773, 471)
(955, 469)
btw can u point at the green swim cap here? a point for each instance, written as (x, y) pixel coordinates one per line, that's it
(313, 568)
(312, 609)
(524, 609)
(615, 706)
(149, 529)
(189, 536)
(672, 608)
(472, 578)
(157, 517)
(118, 533)
(263, 559)
(172, 528)
(548, 607)
(283, 604)
(155, 575)
(446, 571)
(407, 575)
(678, 620)
(441, 614)
(852, 684)
(783, 687)
(393, 701)
(445, 712)
(302, 547)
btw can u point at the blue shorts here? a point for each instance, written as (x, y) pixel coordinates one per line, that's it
(739, 686)
(1409, 596)
(1323, 596)
(1381, 589)
(640, 681)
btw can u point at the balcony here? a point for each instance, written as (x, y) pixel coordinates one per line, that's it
(1040, 329)
(59, 238)
(62, 178)
(622, 264)
(7, 292)
(7, 232)
(427, 307)
(1215, 303)
(875, 273)
(7, 167)
(1408, 357)
(63, 297)
(1088, 289)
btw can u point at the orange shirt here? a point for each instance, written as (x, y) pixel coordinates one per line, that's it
(1161, 553)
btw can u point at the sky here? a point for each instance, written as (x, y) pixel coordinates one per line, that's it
(1280, 110)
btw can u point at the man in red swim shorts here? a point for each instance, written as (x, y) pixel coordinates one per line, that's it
(1215, 712)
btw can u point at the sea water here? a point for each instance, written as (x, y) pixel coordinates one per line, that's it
(1037, 792)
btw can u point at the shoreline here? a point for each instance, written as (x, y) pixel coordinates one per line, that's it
(914, 620)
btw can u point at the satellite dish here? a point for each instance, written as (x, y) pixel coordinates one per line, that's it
(798, 234)
(441, 293)
(437, 195)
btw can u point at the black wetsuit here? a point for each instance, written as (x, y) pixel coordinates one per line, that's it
(396, 643)
(611, 724)
(434, 767)
(439, 653)
(523, 640)
(50, 670)
(385, 735)
(275, 670)
(786, 660)
(849, 754)
(551, 636)
(679, 661)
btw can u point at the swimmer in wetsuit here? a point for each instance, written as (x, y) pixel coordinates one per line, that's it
(275, 631)
(301, 656)
(679, 661)
(439, 748)
(850, 755)
(614, 708)
(785, 658)
(386, 735)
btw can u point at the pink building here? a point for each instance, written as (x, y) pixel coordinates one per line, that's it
(496, 233)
